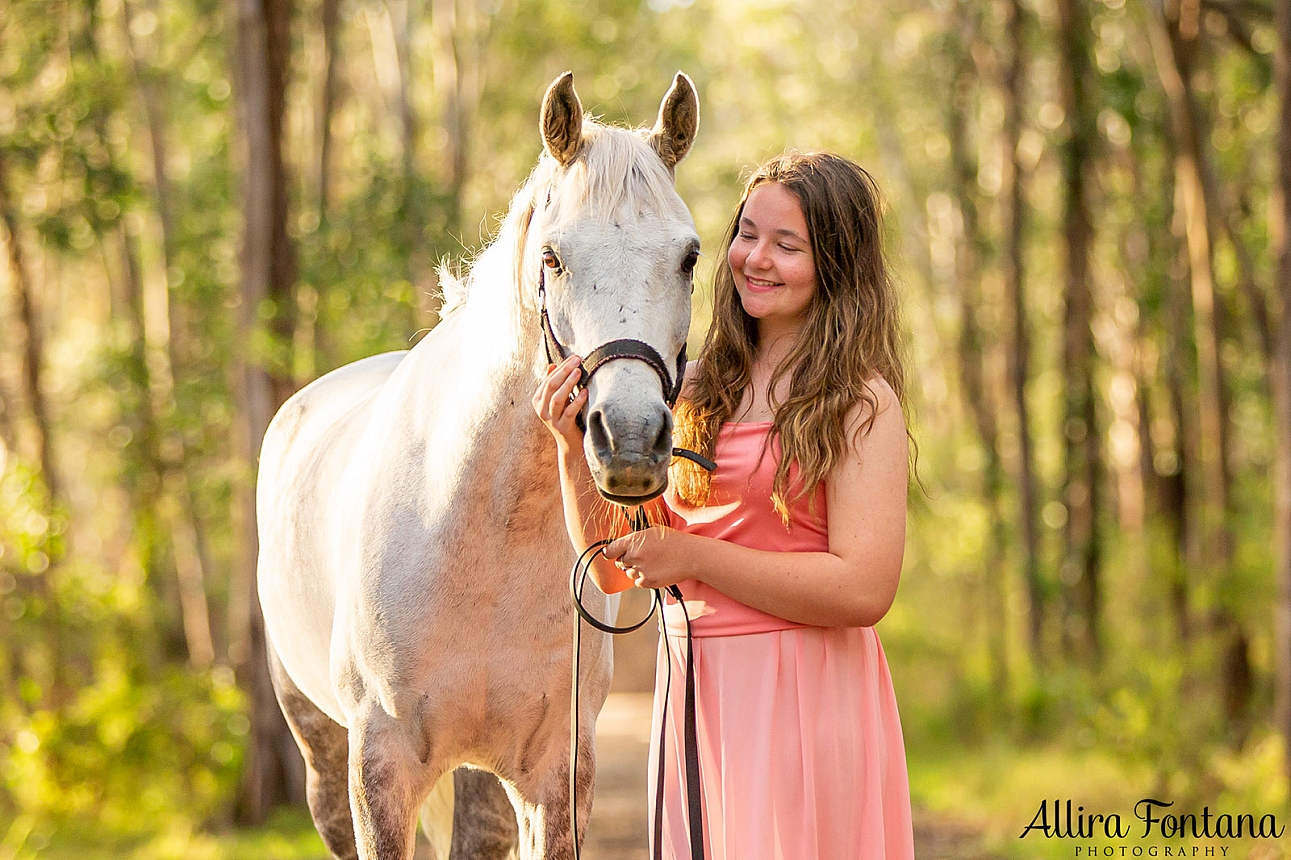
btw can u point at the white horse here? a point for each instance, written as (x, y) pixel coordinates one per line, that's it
(413, 556)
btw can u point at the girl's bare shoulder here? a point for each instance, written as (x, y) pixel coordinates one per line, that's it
(688, 377)
(882, 403)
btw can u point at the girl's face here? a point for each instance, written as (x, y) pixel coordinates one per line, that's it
(771, 259)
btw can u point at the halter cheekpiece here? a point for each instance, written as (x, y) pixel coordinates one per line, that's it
(624, 347)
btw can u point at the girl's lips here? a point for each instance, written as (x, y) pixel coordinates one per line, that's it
(758, 285)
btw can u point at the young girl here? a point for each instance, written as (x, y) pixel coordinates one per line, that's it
(791, 551)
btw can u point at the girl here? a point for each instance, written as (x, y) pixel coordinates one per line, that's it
(791, 551)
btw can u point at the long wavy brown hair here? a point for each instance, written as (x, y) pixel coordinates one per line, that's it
(851, 334)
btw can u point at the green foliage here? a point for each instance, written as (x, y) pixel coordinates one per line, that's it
(288, 835)
(91, 722)
(126, 748)
(103, 719)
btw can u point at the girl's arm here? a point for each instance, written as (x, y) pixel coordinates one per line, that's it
(851, 585)
(587, 516)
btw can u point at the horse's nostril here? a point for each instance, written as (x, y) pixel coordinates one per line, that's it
(601, 441)
(663, 442)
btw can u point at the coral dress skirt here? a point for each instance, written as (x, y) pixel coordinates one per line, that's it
(801, 755)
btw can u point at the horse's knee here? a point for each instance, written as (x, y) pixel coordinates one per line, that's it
(324, 745)
(386, 783)
(544, 805)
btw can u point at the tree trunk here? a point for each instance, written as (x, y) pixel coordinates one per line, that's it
(1014, 192)
(33, 367)
(1176, 40)
(176, 507)
(8, 433)
(1182, 486)
(272, 771)
(973, 361)
(460, 31)
(30, 334)
(1152, 261)
(1281, 387)
(1081, 566)
(450, 91)
(331, 33)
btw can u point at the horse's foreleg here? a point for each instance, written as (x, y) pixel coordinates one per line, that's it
(388, 780)
(324, 745)
(484, 821)
(544, 805)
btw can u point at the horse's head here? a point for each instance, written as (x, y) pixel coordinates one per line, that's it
(616, 249)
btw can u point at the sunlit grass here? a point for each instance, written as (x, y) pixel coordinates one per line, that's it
(993, 788)
(996, 788)
(290, 835)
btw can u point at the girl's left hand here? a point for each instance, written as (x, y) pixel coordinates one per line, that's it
(653, 558)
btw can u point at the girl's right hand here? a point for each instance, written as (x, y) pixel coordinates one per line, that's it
(555, 408)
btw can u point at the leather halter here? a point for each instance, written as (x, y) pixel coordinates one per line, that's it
(624, 347)
(638, 350)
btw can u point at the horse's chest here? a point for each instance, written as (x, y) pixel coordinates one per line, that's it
(467, 604)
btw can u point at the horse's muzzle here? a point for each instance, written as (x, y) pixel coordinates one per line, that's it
(629, 456)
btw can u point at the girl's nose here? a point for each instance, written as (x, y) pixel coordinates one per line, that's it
(758, 256)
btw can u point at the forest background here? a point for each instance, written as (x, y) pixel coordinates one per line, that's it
(207, 204)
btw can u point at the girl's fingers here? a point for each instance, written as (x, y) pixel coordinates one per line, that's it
(560, 398)
(552, 396)
(560, 375)
(571, 379)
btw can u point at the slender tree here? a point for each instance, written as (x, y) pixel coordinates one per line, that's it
(1177, 41)
(1082, 556)
(30, 335)
(328, 100)
(1013, 192)
(974, 362)
(178, 504)
(29, 328)
(1281, 386)
(273, 773)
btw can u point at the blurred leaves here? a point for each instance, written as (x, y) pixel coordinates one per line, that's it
(105, 103)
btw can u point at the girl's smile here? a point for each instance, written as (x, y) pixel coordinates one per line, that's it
(771, 259)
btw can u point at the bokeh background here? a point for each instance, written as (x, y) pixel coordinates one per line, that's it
(207, 204)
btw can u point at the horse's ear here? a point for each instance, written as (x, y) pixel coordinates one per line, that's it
(674, 130)
(562, 119)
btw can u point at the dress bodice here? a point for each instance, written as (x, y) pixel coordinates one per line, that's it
(739, 510)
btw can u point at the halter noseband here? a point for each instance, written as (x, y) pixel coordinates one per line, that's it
(624, 347)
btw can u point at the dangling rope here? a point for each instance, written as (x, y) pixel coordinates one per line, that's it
(637, 521)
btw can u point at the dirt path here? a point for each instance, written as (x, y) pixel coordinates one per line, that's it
(618, 829)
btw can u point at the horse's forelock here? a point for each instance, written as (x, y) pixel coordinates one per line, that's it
(615, 176)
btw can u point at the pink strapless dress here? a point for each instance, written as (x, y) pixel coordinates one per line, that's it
(801, 755)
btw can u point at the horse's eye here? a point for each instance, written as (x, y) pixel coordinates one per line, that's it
(688, 264)
(550, 260)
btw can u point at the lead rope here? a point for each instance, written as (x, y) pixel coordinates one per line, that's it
(578, 577)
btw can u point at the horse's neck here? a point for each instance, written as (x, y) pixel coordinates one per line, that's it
(472, 384)
(515, 460)
(487, 365)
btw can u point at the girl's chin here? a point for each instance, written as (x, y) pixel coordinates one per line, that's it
(757, 310)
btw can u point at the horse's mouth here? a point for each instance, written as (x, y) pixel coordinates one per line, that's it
(632, 501)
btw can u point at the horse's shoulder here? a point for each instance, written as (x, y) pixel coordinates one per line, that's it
(356, 376)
